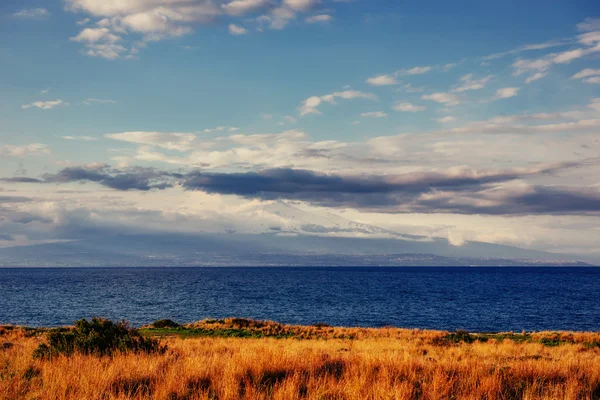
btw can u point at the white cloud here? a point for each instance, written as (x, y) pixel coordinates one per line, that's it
(374, 114)
(237, 30)
(25, 150)
(82, 138)
(447, 119)
(170, 141)
(529, 47)
(443, 98)
(456, 239)
(320, 18)
(468, 83)
(506, 93)
(589, 25)
(84, 21)
(32, 13)
(408, 107)
(535, 77)
(415, 70)
(586, 73)
(568, 56)
(93, 35)
(542, 64)
(278, 19)
(154, 20)
(45, 105)
(382, 80)
(449, 66)
(280, 16)
(593, 79)
(300, 5)
(311, 104)
(108, 51)
(242, 7)
(595, 104)
(44, 91)
(100, 42)
(221, 129)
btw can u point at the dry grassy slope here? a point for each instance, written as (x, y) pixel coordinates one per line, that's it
(375, 364)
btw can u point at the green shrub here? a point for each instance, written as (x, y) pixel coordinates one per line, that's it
(460, 336)
(165, 323)
(97, 337)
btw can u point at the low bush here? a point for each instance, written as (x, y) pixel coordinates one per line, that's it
(98, 337)
(165, 323)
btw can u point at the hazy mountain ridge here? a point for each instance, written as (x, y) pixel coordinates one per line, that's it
(282, 235)
(290, 219)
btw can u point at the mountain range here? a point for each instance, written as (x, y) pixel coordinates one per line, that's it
(276, 233)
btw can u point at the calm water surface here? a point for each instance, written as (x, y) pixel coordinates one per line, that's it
(476, 299)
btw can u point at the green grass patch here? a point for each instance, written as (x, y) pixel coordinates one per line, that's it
(184, 332)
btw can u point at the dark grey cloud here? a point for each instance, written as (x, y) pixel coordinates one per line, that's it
(302, 184)
(14, 199)
(408, 193)
(20, 217)
(136, 178)
(458, 191)
(21, 179)
(536, 200)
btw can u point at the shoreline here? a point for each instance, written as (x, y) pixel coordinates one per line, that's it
(234, 327)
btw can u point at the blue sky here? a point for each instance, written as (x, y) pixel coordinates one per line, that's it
(384, 91)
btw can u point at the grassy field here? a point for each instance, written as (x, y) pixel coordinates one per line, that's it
(243, 359)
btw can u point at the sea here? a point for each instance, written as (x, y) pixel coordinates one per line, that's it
(478, 299)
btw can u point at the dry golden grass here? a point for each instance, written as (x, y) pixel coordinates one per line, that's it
(376, 364)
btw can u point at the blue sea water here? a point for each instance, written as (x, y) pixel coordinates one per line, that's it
(476, 299)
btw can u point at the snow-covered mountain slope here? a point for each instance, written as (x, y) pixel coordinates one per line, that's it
(279, 217)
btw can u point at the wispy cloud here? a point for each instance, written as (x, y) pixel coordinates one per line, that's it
(468, 83)
(318, 19)
(311, 104)
(590, 42)
(446, 119)
(45, 105)
(588, 75)
(530, 47)
(535, 77)
(8, 150)
(374, 114)
(32, 13)
(81, 138)
(237, 30)
(170, 141)
(382, 80)
(448, 99)
(408, 107)
(505, 93)
(415, 70)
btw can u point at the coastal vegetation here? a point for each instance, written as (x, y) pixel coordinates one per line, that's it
(245, 359)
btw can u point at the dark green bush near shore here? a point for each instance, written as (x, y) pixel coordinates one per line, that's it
(100, 337)
(165, 323)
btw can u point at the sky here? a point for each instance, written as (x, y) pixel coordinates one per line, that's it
(470, 120)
